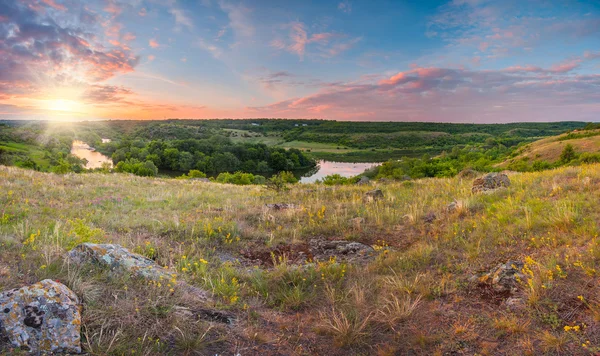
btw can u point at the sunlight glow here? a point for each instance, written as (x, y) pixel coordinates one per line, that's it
(62, 105)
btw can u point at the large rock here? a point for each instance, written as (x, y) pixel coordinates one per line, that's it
(363, 180)
(41, 318)
(489, 182)
(373, 195)
(121, 260)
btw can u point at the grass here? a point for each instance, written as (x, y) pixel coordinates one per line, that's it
(415, 296)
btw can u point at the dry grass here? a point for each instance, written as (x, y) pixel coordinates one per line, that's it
(415, 296)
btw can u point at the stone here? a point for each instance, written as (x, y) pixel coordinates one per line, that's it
(41, 318)
(363, 180)
(119, 259)
(468, 173)
(490, 182)
(451, 207)
(429, 217)
(506, 277)
(281, 206)
(323, 249)
(374, 195)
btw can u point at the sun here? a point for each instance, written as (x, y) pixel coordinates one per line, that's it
(62, 105)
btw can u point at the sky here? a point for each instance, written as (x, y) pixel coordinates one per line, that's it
(472, 61)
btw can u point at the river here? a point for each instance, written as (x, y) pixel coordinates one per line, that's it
(324, 168)
(83, 150)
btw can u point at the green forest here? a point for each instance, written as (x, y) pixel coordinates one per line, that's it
(249, 150)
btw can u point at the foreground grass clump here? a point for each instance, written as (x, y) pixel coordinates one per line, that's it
(419, 293)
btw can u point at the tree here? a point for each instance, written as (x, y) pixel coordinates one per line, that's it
(568, 154)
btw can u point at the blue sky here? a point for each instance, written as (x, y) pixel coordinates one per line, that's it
(451, 61)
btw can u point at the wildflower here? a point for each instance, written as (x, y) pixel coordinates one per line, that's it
(580, 297)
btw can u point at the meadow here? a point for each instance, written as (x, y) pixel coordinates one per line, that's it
(421, 292)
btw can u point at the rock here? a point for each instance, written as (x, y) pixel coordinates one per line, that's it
(468, 173)
(515, 304)
(119, 259)
(490, 182)
(374, 195)
(429, 217)
(506, 277)
(41, 318)
(363, 180)
(348, 250)
(451, 207)
(281, 206)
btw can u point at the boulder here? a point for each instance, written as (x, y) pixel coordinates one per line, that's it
(374, 195)
(490, 182)
(506, 277)
(119, 259)
(41, 318)
(363, 180)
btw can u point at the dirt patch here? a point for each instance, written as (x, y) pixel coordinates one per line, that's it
(314, 250)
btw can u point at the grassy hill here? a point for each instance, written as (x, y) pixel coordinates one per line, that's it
(549, 149)
(421, 292)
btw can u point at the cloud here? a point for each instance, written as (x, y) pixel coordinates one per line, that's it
(38, 53)
(345, 7)
(330, 44)
(102, 94)
(215, 51)
(153, 43)
(181, 19)
(238, 19)
(450, 94)
(55, 5)
(509, 27)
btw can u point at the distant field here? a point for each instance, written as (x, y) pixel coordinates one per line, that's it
(245, 136)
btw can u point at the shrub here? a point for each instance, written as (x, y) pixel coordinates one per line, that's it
(144, 169)
(194, 173)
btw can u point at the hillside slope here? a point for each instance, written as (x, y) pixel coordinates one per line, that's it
(550, 148)
(422, 291)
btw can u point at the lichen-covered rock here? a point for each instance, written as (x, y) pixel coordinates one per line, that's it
(345, 250)
(373, 195)
(281, 206)
(490, 182)
(120, 259)
(41, 318)
(506, 277)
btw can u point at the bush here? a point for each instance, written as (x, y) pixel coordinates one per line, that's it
(194, 173)
(144, 169)
(240, 178)
(280, 180)
(568, 154)
(336, 179)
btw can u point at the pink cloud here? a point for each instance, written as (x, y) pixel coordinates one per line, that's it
(459, 95)
(54, 5)
(153, 43)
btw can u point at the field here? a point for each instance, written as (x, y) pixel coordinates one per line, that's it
(422, 291)
(549, 149)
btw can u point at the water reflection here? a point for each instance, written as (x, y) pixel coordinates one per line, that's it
(345, 169)
(83, 150)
